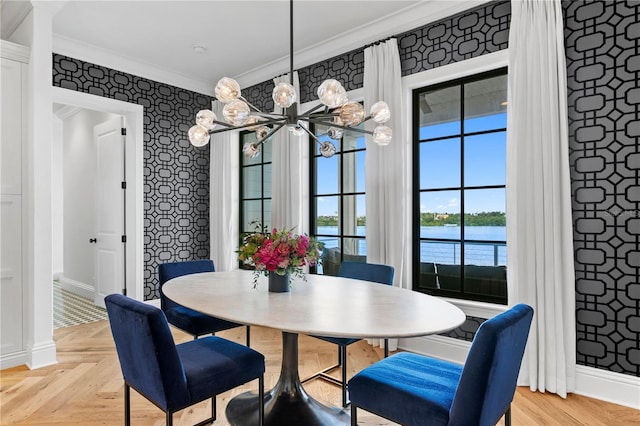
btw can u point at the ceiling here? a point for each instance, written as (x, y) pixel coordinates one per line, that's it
(247, 40)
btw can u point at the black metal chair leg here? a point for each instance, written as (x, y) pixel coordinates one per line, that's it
(386, 348)
(354, 415)
(127, 405)
(261, 400)
(343, 355)
(507, 416)
(213, 408)
(248, 336)
(169, 418)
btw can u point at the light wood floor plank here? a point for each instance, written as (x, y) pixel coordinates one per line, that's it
(85, 387)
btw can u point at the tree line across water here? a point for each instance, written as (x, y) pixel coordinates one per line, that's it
(435, 219)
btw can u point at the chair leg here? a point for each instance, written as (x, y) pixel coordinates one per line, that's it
(213, 408)
(169, 418)
(127, 405)
(248, 336)
(261, 400)
(354, 415)
(386, 348)
(507, 416)
(343, 355)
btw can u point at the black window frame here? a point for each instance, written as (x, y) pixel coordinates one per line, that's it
(416, 264)
(314, 156)
(260, 162)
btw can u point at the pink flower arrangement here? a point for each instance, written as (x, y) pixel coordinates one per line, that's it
(280, 252)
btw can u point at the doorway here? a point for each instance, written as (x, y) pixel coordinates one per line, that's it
(71, 102)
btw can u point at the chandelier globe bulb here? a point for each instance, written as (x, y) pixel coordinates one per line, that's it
(380, 112)
(236, 112)
(206, 118)
(198, 135)
(382, 135)
(227, 90)
(284, 95)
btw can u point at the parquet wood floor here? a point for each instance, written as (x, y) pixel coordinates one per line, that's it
(85, 387)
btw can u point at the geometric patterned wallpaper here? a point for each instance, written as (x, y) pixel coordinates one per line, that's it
(176, 174)
(603, 69)
(602, 43)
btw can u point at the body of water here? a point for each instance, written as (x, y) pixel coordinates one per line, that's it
(493, 252)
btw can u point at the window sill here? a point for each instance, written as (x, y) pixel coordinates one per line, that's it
(477, 309)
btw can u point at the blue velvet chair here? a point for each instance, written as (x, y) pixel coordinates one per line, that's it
(172, 376)
(382, 274)
(413, 389)
(188, 320)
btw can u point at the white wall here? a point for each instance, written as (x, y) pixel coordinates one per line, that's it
(79, 179)
(57, 215)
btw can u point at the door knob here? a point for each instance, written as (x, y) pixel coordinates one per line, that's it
(93, 240)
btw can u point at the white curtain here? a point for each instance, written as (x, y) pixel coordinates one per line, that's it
(288, 173)
(223, 192)
(385, 165)
(539, 224)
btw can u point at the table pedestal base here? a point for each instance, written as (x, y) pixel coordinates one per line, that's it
(287, 403)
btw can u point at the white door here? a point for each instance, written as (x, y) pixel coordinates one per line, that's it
(109, 246)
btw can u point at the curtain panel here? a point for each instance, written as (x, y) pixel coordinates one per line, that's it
(385, 166)
(539, 226)
(223, 192)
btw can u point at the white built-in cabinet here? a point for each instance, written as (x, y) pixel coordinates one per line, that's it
(13, 73)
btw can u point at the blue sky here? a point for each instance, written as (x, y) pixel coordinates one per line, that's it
(485, 159)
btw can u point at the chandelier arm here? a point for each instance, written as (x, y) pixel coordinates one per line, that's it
(253, 107)
(275, 129)
(244, 126)
(354, 129)
(315, 108)
(311, 134)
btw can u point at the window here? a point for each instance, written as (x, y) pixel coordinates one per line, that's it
(255, 186)
(338, 218)
(459, 170)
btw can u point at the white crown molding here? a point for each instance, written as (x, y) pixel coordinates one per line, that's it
(106, 58)
(404, 20)
(15, 52)
(13, 13)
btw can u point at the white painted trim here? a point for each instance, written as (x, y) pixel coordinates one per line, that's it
(153, 302)
(406, 19)
(135, 212)
(13, 359)
(447, 348)
(96, 55)
(41, 355)
(616, 388)
(607, 386)
(76, 287)
(15, 52)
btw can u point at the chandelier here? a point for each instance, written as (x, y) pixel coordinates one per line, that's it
(334, 111)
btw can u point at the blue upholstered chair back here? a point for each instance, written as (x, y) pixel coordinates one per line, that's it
(167, 271)
(382, 274)
(146, 350)
(490, 373)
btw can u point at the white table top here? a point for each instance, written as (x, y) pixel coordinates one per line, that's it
(323, 305)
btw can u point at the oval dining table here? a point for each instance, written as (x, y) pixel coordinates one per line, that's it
(322, 305)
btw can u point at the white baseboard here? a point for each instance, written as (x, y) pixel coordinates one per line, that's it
(153, 302)
(616, 388)
(41, 355)
(13, 359)
(77, 287)
(454, 350)
(607, 386)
